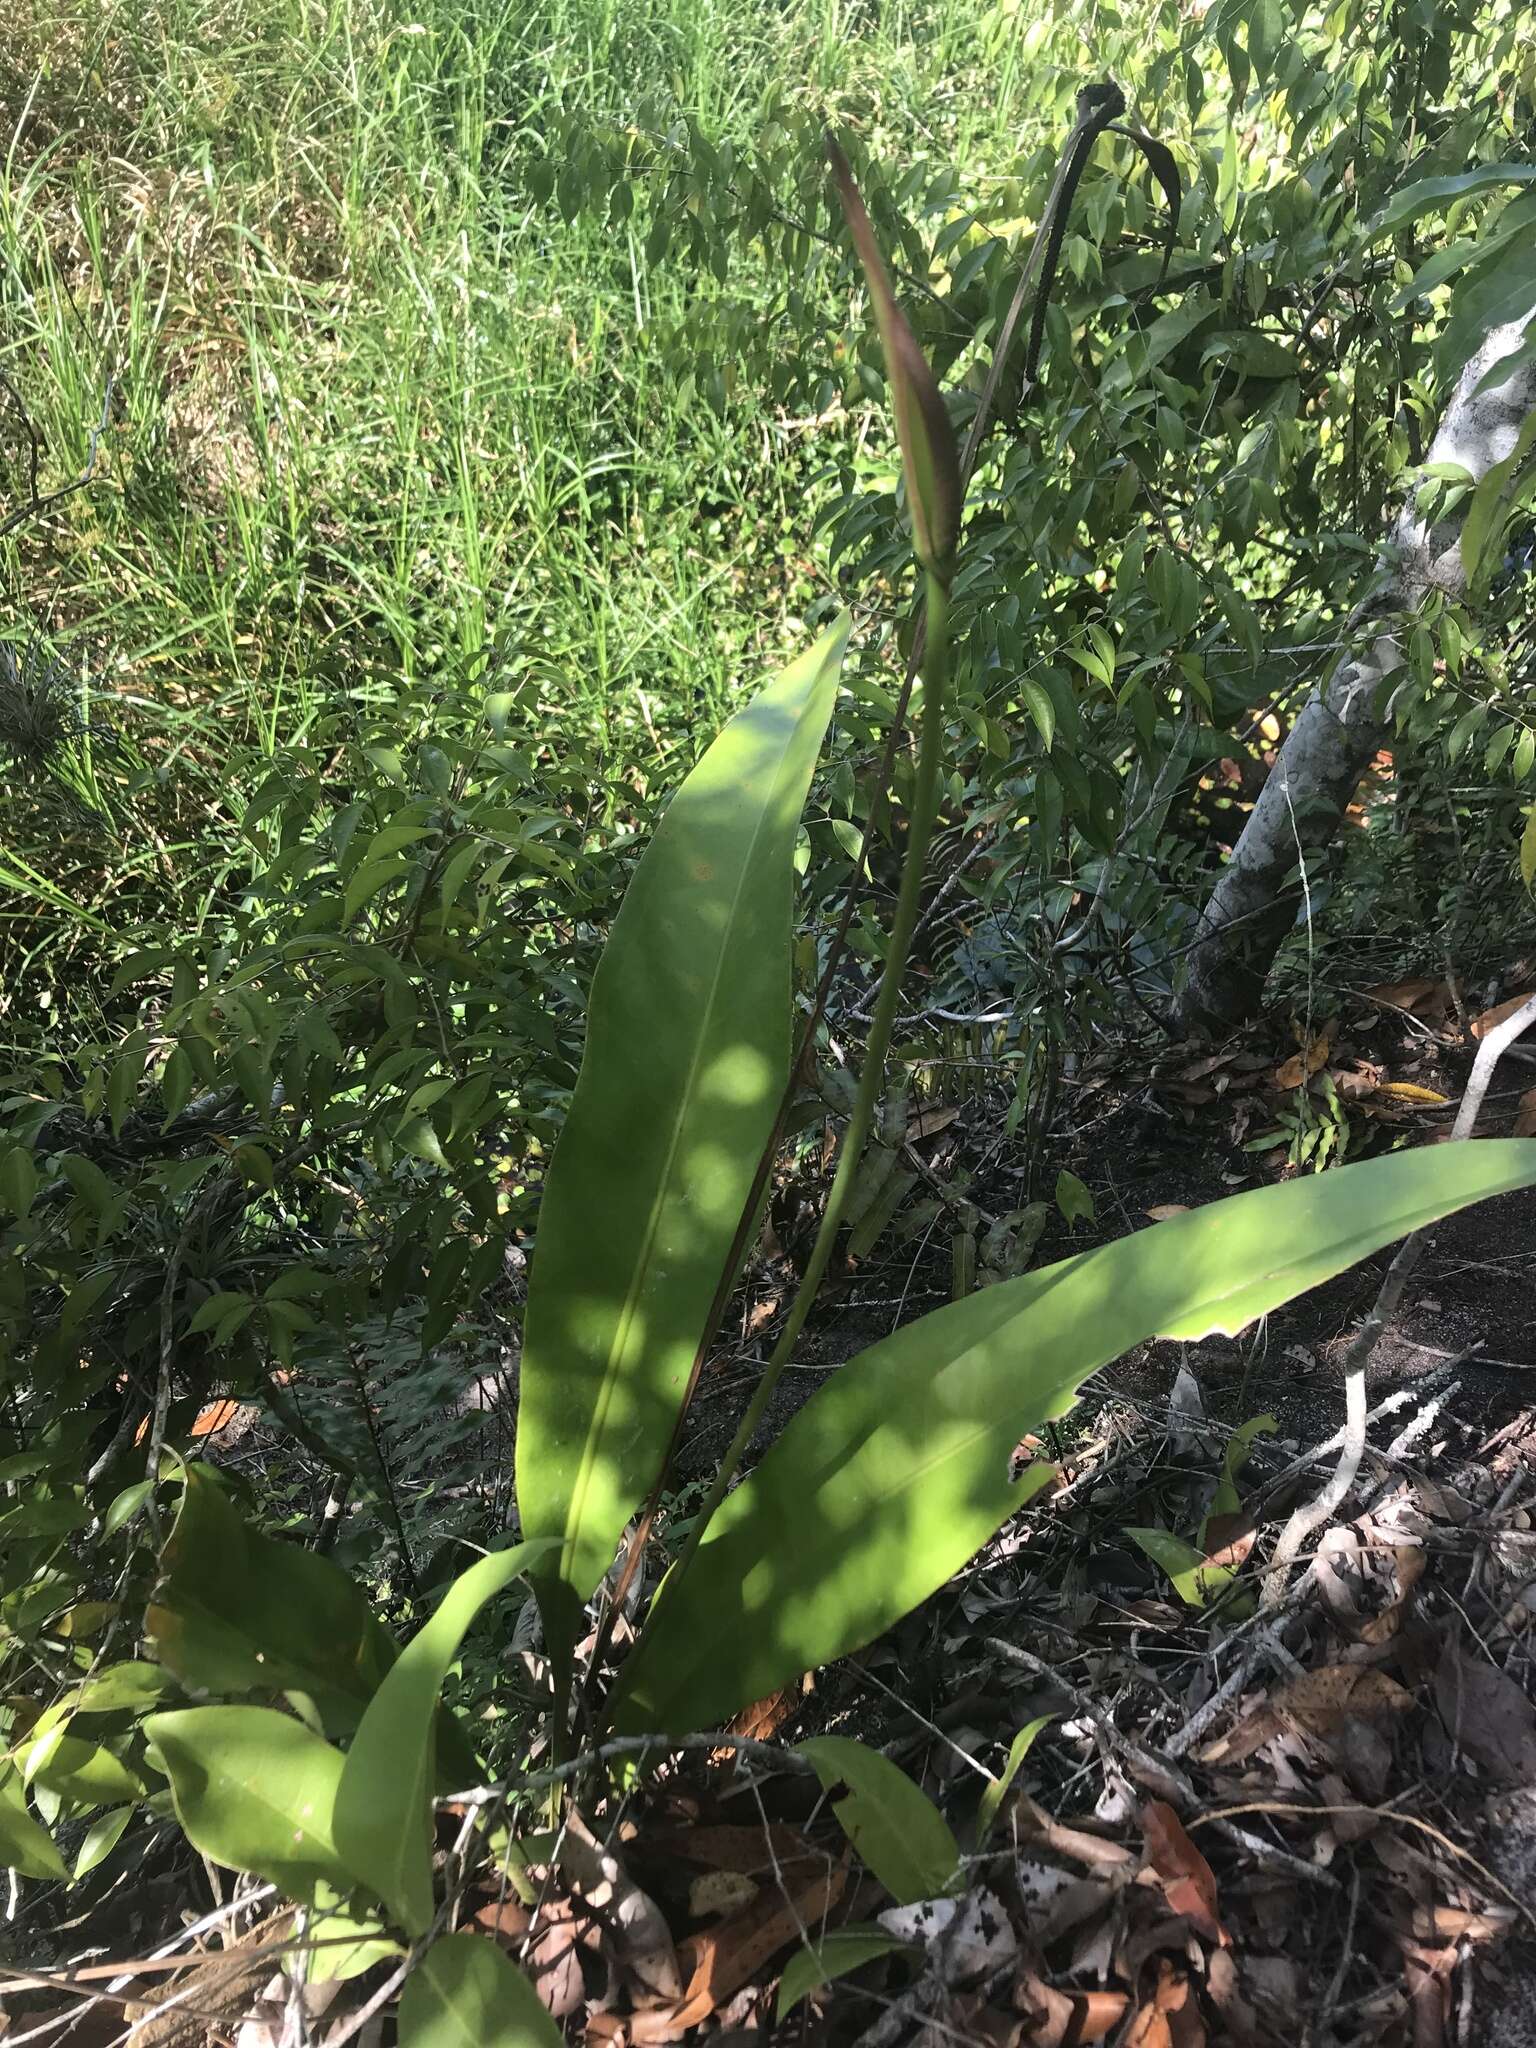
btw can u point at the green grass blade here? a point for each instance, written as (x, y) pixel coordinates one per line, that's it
(687, 1054)
(898, 1470)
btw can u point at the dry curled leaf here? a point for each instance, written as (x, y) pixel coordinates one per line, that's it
(1187, 1879)
(1053, 2019)
(1170, 2018)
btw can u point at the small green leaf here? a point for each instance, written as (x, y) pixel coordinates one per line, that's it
(18, 1180)
(1196, 1582)
(126, 1506)
(1073, 1199)
(895, 1827)
(384, 1806)
(839, 1951)
(417, 1137)
(1226, 1500)
(88, 1181)
(464, 1993)
(78, 1770)
(1041, 709)
(119, 1686)
(256, 1791)
(1528, 848)
(102, 1837)
(849, 836)
(252, 1164)
(992, 1799)
(236, 1611)
(214, 1310)
(1437, 194)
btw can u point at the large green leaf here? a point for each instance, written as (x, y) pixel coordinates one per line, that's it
(236, 1611)
(465, 1993)
(255, 1790)
(897, 1830)
(384, 1805)
(1438, 195)
(898, 1470)
(686, 1058)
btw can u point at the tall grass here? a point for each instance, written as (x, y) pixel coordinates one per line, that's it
(379, 417)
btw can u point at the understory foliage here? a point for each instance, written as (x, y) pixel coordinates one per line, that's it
(427, 431)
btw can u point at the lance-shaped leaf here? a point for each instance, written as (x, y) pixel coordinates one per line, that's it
(383, 1802)
(687, 1055)
(929, 453)
(898, 1470)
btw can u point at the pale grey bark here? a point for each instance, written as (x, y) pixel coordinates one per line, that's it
(1342, 727)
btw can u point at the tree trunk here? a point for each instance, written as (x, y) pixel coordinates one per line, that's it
(1342, 727)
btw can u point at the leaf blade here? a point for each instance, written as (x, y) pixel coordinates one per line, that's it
(687, 1054)
(897, 1471)
(892, 1823)
(255, 1791)
(383, 1798)
(465, 1993)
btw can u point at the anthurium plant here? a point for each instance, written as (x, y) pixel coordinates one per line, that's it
(888, 1479)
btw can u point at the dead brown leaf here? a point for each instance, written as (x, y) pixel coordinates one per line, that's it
(1170, 2018)
(1488, 1716)
(1187, 1879)
(552, 1958)
(726, 1957)
(1352, 1084)
(1161, 1211)
(1429, 1992)
(1225, 1990)
(765, 1717)
(1301, 1066)
(1320, 1701)
(1054, 2018)
(1405, 995)
(633, 1924)
(719, 1891)
(750, 1851)
(507, 1920)
(1458, 1923)
(929, 1122)
(1525, 1115)
(1481, 1026)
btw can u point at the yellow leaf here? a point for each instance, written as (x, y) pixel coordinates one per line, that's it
(1409, 1091)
